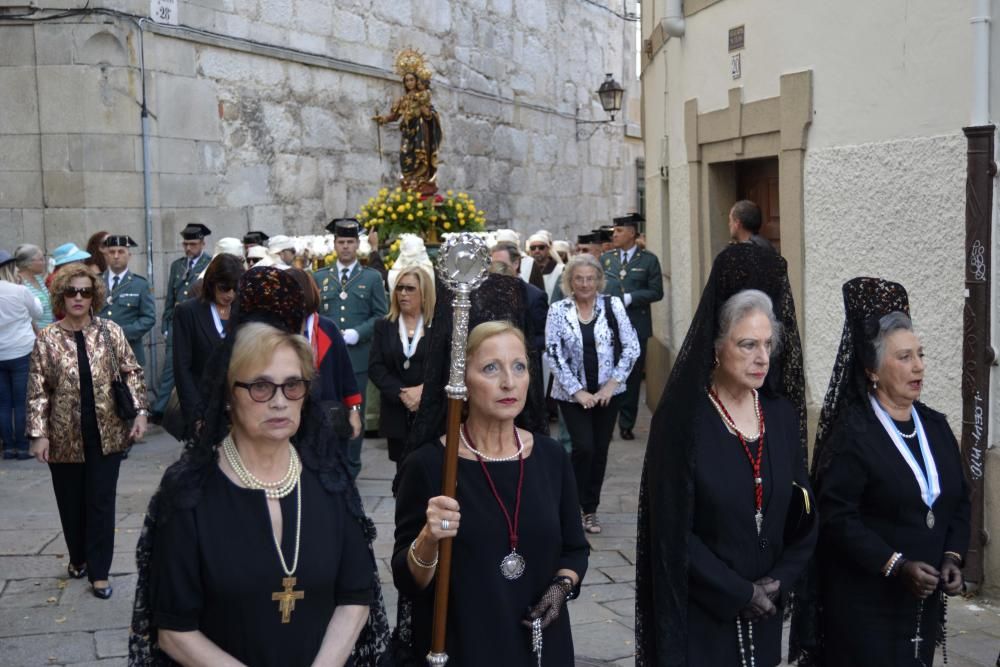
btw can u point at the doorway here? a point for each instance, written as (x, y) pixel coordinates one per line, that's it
(757, 180)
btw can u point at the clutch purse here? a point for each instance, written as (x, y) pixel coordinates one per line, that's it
(801, 514)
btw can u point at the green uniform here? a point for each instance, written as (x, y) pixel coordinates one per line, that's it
(356, 305)
(130, 305)
(178, 290)
(642, 279)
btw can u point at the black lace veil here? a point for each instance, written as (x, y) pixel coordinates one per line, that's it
(666, 487)
(183, 481)
(866, 300)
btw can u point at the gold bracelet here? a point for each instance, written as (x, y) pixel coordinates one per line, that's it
(958, 559)
(416, 559)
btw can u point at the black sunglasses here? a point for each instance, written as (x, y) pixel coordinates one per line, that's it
(263, 391)
(539, 247)
(85, 292)
(406, 288)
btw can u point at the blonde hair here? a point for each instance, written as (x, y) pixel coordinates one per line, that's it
(483, 332)
(63, 276)
(428, 298)
(256, 344)
(575, 263)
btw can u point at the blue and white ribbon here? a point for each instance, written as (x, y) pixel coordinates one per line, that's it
(930, 484)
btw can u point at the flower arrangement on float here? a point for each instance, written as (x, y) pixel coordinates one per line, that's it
(399, 211)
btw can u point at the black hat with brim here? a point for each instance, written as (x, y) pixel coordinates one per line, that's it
(195, 231)
(605, 234)
(119, 241)
(592, 237)
(255, 238)
(344, 227)
(630, 220)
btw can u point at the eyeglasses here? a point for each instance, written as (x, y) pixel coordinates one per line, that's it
(263, 391)
(538, 247)
(584, 280)
(406, 289)
(85, 292)
(224, 287)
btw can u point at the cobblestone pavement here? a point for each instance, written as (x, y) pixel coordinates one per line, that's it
(47, 619)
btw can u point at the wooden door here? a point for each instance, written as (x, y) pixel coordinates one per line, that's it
(757, 180)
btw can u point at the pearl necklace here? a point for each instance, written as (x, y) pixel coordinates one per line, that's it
(298, 533)
(491, 459)
(731, 425)
(279, 489)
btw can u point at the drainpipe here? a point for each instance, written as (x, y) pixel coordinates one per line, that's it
(978, 355)
(673, 23)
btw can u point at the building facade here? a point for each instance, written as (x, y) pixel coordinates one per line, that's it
(845, 122)
(259, 115)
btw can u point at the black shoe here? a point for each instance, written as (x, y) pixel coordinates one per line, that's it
(102, 593)
(627, 434)
(77, 572)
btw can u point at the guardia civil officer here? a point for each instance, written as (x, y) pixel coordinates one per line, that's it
(184, 272)
(129, 303)
(252, 239)
(633, 274)
(353, 296)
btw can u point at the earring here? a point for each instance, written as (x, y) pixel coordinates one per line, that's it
(875, 384)
(227, 407)
(716, 364)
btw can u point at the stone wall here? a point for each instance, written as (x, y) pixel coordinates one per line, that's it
(260, 115)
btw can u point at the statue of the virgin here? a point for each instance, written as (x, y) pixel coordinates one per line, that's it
(419, 124)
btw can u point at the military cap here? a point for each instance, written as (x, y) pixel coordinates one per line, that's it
(255, 238)
(195, 231)
(119, 241)
(344, 227)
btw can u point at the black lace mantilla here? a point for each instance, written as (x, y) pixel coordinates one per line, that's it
(666, 487)
(866, 300)
(181, 488)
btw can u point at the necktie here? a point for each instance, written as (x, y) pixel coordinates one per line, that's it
(343, 277)
(190, 268)
(624, 257)
(114, 283)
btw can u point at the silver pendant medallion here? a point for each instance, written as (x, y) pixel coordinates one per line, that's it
(406, 365)
(512, 566)
(759, 519)
(930, 519)
(343, 296)
(622, 274)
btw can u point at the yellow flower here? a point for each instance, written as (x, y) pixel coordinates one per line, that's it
(393, 216)
(450, 193)
(400, 208)
(398, 189)
(447, 225)
(461, 223)
(472, 207)
(409, 217)
(434, 218)
(410, 198)
(460, 215)
(419, 205)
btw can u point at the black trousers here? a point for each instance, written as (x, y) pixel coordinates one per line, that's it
(85, 495)
(590, 432)
(630, 397)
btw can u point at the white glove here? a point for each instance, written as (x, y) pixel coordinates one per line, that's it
(350, 336)
(627, 299)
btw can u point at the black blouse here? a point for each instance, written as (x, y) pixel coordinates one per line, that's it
(88, 404)
(590, 364)
(485, 610)
(215, 568)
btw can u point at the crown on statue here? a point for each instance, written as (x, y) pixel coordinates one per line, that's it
(412, 61)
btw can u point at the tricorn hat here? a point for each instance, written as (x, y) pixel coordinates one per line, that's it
(255, 238)
(630, 220)
(119, 241)
(195, 231)
(344, 227)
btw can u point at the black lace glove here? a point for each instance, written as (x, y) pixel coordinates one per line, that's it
(760, 605)
(551, 603)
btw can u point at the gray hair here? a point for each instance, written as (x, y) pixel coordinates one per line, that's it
(741, 304)
(24, 253)
(887, 325)
(575, 263)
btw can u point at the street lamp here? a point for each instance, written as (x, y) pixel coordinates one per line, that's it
(611, 93)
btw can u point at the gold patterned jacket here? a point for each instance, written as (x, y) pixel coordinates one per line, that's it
(54, 389)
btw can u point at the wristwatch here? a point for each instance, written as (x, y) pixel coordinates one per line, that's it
(142, 413)
(356, 408)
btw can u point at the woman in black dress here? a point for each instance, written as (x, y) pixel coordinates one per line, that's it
(893, 499)
(725, 466)
(519, 549)
(396, 359)
(200, 326)
(255, 548)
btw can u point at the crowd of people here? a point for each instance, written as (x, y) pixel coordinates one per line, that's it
(266, 383)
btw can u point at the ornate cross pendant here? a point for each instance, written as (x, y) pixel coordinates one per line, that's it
(286, 598)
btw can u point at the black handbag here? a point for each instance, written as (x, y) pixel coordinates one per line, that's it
(801, 514)
(173, 417)
(124, 405)
(616, 339)
(336, 412)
